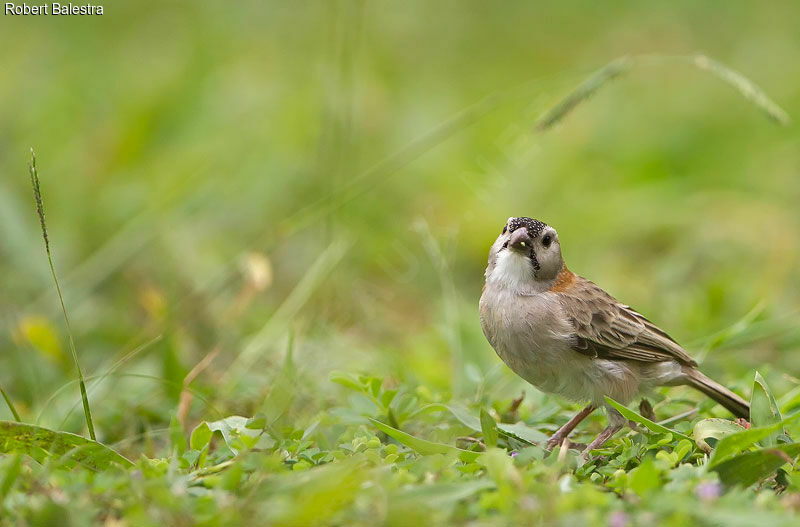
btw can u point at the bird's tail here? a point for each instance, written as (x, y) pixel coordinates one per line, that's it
(735, 404)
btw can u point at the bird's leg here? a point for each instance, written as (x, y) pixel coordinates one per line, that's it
(602, 437)
(562, 433)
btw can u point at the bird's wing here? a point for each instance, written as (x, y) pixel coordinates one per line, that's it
(607, 329)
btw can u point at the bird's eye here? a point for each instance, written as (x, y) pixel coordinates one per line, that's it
(547, 240)
(505, 229)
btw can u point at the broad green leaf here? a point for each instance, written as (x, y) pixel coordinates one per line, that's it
(404, 406)
(257, 422)
(488, 429)
(629, 414)
(374, 384)
(732, 444)
(518, 430)
(524, 432)
(751, 467)
(348, 380)
(716, 429)
(423, 446)
(191, 457)
(387, 397)
(200, 437)
(234, 432)
(463, 415)
(644, 477)
(43, 443)
(683, 448)
(764, 409)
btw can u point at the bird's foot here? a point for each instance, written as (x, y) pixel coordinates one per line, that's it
(556, 440)
(601, 439)
(565, 443)
(744, 423)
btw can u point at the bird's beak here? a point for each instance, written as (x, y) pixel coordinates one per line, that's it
(520, 240)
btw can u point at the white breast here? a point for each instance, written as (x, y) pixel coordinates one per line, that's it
(533, 337)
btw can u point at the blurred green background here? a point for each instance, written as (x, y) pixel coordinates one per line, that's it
(224, 174)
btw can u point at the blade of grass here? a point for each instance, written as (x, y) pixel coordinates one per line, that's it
(450, 304)
(98, 379)
(719, 338)
(629, 414)
(281, 393)
(278, 322)
(518, 430)
(488, 428)
(747, 88)
(37, 196)
(10, 405)
(388, 167)
(195, 393)
(764, 409)
(583, 91)
(423, 446)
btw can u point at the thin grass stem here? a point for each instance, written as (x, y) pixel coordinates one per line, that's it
(37, 196)
(747, 88)
(10, 405)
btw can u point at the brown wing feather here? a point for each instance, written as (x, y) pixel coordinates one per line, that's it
(607, 329)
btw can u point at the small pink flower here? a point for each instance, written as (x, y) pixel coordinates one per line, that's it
(618, 519)
(708, 491)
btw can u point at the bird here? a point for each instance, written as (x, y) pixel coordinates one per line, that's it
(565, 335)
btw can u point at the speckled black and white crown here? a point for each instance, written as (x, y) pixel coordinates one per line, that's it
(535, 227)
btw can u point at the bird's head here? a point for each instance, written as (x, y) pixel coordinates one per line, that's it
(525, 257)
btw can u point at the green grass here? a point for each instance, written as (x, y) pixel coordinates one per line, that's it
(271, 224)
(37, 197)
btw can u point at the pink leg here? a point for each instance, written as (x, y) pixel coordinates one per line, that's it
(601, 439)
(562, 433)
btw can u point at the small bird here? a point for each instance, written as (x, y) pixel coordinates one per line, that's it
(565, 335)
